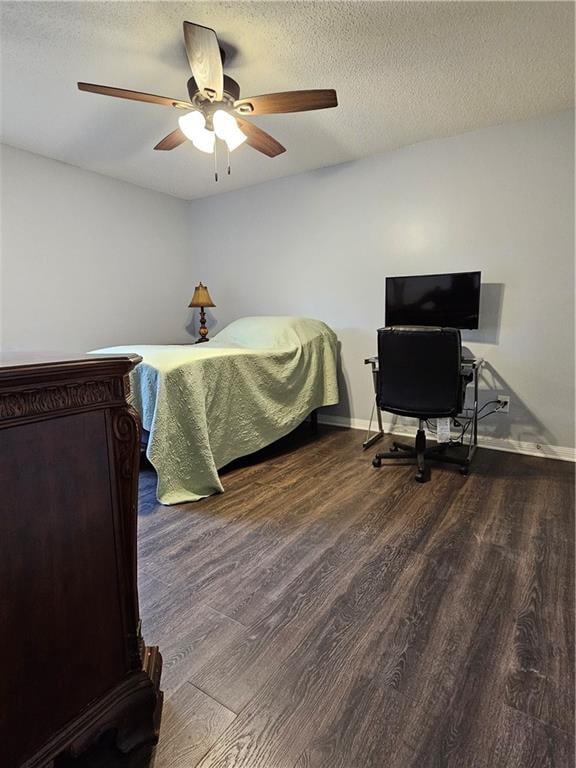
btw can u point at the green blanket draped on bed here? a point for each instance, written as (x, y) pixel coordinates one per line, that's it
(207, 404)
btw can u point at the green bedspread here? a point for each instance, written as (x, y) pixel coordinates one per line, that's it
(207, 404)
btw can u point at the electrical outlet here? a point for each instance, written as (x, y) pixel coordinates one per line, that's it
(505, 400)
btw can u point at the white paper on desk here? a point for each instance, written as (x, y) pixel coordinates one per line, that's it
(443, 430)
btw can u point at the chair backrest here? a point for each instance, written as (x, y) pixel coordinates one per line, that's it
(420, 371)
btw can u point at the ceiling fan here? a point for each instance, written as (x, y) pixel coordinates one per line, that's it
(215, 109)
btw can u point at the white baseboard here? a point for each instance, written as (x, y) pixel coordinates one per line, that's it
(497, 444)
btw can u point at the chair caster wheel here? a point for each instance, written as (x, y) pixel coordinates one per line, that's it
(376, 461)
(394, 448)
(421, 477)
(464, 471)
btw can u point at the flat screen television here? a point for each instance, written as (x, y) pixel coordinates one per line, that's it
(450, 300)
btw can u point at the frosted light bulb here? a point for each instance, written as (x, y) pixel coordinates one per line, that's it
(235, 140)
(226, 128)
(204, 141)
(191, 123)
(193, 127)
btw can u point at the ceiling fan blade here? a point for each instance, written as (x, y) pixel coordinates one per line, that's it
(259, 139)
(289, 101)
(122, 93)
(205, 61)
(171, 141)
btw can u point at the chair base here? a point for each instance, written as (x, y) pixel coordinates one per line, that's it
(422, 453)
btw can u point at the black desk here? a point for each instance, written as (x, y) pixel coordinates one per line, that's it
(470, 370)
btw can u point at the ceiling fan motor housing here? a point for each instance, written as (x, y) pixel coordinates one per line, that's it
(231, 92)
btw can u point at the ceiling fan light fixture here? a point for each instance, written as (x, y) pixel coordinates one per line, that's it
(235, 141)
(204, 141)
(191, 123)
(193, 126)
(227, 129)
(215, 108)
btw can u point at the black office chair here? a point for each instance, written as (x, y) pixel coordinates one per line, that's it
(420, 375)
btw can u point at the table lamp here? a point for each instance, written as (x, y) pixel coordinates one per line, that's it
(201, 298)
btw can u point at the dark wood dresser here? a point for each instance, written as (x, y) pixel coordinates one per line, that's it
(74, 665)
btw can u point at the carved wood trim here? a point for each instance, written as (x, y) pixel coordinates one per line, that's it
(114, 710)
(73, 396)
(125, 436)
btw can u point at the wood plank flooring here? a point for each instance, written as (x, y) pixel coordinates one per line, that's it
(325, 614)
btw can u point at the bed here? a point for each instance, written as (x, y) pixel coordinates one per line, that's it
(205, 405)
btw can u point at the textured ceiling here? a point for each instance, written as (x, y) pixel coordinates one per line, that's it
(404, 72)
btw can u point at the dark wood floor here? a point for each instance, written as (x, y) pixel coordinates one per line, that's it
(325, 614)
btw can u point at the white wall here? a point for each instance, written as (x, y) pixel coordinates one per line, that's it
(500, 199)
(89, 261)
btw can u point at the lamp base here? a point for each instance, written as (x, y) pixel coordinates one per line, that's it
(203, 331)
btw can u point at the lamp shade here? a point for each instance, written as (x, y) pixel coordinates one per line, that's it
(226, 128)
(193, 126)
(201, 297)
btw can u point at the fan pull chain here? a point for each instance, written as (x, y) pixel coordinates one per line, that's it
(228, 158)
(215, 162)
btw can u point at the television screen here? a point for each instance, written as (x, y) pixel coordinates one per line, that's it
(446, 301)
